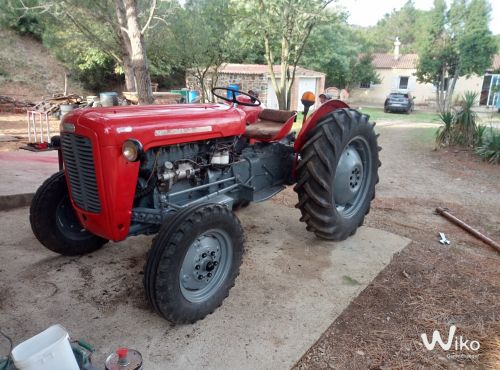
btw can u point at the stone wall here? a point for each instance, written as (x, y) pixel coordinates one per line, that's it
(255, 82)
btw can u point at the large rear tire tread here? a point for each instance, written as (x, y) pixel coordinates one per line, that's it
(169, 247)
(44, 223)
(316, 172)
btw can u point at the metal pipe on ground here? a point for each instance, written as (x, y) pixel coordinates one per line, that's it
(444, 212)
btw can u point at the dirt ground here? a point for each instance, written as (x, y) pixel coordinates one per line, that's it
(14, 130)
(29, 71)
(427, 286)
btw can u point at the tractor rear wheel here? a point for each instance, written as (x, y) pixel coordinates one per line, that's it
(54, 222)
(193, 262)
(337, 173)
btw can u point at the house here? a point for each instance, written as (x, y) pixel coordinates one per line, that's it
(397, 73)
(257, 77)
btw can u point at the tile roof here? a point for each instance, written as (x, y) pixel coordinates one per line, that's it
(258, 69)
(405, 61)
(409, 61)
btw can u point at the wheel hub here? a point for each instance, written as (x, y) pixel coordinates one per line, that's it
(348, 177)
(205, 265)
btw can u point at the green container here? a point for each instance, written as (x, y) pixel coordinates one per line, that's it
(184, 93)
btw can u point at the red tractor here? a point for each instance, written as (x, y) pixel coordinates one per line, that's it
(178, 171)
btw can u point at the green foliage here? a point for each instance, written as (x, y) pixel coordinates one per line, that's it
(457, 43)
(497, 40)
(21, 21)
(283, 28)
(489, 150)
(479, 135)
(334, 48)
(404, 23)
(85, 59)
(460, 127)
(466, 120)
(444, 134)
(197, 38)
(3, 72)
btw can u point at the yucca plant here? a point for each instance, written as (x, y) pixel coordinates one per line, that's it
(444, 134)
(478, 135)
(490, 149)
(466, 120)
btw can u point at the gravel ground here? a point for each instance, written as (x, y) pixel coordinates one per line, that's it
(428, 286)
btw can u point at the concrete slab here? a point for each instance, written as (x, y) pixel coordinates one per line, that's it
(291, 287)
(22, 171)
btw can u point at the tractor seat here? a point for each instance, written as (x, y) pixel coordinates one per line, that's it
(272, 125)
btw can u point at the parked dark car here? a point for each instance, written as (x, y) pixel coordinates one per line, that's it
(399, 102)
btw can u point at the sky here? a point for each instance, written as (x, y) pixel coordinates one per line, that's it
(368, 12)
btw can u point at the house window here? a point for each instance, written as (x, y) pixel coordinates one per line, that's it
(364, 85)
(403, 83)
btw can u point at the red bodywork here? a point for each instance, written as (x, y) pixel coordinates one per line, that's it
(153, 126)
(313, 119)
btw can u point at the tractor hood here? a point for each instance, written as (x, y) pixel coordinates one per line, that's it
(155, 125)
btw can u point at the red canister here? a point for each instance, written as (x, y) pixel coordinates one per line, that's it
(124, 359)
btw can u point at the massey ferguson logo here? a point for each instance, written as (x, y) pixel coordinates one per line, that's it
(458, 343)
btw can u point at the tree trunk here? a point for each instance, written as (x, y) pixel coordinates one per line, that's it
(129, 73)
(451, 89)
(125, 45)
(438, 101)
(285, 56)
(138, 54)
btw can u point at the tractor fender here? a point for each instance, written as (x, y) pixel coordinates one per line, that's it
(313, 119)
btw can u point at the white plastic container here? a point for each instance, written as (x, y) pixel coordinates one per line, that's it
(49, 350)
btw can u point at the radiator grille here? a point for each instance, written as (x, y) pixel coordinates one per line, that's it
(79, 164)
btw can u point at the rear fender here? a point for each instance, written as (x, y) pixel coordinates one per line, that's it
(310, 123)
(313, 119)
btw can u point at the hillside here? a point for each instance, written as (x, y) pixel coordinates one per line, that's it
(28, 71)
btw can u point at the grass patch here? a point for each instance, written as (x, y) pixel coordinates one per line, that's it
(378, 114)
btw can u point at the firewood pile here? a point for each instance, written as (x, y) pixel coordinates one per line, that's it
(11, 105)
(50, 105)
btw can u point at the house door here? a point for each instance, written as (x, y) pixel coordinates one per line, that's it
(305, 84)
(490, 92)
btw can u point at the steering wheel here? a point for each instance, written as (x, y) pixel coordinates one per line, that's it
(255, 101)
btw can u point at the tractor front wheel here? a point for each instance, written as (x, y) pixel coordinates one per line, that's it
(194, 262)
(54, 222)
(337, 173)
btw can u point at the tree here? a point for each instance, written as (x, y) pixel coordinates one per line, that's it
(342, 52)
(198, 40)
(111, 26)
(283, 27)
(404, 23)
(132, 38)
(458, 43)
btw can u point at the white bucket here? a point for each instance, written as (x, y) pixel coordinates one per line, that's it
(49, 350)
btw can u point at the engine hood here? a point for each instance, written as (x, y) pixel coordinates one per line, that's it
(156, 124)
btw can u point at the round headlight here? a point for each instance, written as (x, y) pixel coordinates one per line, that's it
(132, 150)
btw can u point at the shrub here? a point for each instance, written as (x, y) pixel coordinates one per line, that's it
(489, 150)
(444, 134)
(460, 127)
(478, 135)
(466, 120)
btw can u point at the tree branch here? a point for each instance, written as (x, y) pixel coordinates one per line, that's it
(151, 13)
(107, 49)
